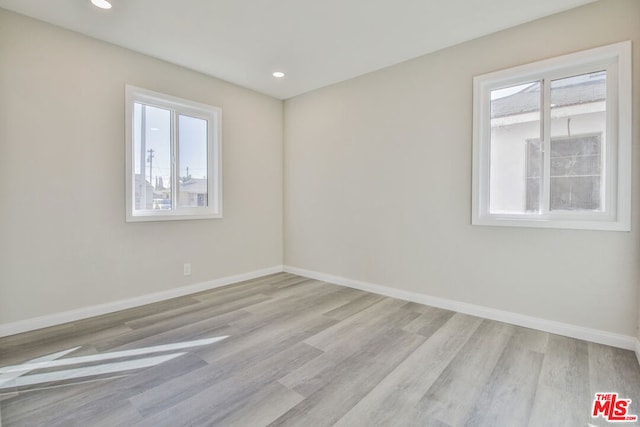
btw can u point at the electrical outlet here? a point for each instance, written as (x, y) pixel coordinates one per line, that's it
(187, 269)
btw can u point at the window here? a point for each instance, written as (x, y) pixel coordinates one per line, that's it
(552, 142)
(172, 158)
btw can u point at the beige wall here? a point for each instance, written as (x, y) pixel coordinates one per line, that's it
(64, 243)
(378, 185)
(378, 181)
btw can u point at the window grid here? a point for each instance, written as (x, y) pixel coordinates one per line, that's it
(603, 202)
(196, 140)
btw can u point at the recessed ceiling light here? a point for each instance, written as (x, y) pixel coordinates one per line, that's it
(278, 74)
(102, 4)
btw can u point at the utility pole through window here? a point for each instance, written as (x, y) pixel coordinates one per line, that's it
(151, 152)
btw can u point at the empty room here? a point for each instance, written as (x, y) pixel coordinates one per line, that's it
(338, 213)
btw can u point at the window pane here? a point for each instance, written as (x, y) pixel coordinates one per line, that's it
(516, 158)
(192, 142)
(578, 125)
(152, 157)
(575, 173)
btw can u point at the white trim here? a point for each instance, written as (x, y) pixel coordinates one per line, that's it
(20, 326)
(616, 60)
(579, 332)
(177, 106)
(559, 328)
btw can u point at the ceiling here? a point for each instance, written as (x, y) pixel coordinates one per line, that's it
(316, 43)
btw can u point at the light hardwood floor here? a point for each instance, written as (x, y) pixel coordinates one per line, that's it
(300, 352)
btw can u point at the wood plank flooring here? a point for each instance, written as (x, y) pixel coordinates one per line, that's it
(298, 352)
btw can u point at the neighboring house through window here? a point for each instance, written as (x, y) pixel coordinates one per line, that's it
(173, 158)
(552, 142)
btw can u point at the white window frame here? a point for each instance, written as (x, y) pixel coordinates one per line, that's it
(177, 106)
(616, 59)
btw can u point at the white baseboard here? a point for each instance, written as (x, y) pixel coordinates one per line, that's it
(566, 329)
(97, 310)
(594, 335)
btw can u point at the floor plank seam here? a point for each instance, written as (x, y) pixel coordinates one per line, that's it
(303, 352)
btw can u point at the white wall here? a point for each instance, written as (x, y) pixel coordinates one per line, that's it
(64, 243)
(508, 176)
(378, 185)
(378, 178)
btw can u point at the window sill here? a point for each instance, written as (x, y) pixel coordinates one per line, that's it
(597, 225)
(178, 216)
